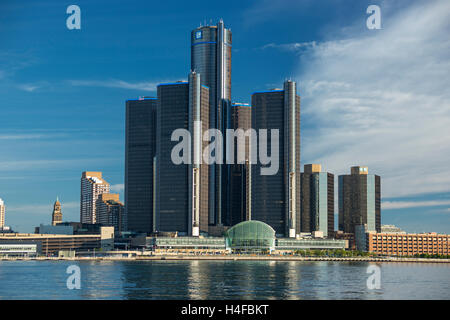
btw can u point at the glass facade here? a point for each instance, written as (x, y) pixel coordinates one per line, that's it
(250, 236)
(140, 148)
(271, 193)
(359, 202)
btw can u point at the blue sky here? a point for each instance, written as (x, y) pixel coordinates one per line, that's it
(371, 97)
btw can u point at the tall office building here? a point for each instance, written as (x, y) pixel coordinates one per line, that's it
(359, 200)
(110, 211)
(2, 213)
(182, 193)
(57, 213)
(276, 198)
(238, 188)
(211, 58)
(317, 200)
(92, 185)
(140, 157)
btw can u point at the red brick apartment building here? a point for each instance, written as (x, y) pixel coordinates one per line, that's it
(408, 244)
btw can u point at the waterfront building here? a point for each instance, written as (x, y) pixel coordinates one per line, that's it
(140, 158)
(51, 244)
(276, 198)
(245, 237)
(92, 185)
(57, 213)
(60, 228)
(317, 200)
(182, 202)
(390, 228)
(401, 244)
(211, 58)
(2, 213)
(359, 200)
(110, 211)
(22, 249)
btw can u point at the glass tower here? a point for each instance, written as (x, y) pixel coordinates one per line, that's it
(211, 58)
(359, 200)
(140, 151)
(275, 198)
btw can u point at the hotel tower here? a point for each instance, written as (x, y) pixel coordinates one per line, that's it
(211, 58)
(276, 198)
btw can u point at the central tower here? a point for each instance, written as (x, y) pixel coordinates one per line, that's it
(211, 58)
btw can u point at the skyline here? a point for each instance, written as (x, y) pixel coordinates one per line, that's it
(322, 96)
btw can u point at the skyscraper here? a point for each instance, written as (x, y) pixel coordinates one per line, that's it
(276, 198)
(359, 200)
(238, 187)
(211, 58)
(110, 211)
(182, 193)
(92, 185)
(140, 156)
(2, 213)
(317, 200)
(57, 213)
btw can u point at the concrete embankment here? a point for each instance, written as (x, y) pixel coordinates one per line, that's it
(229, 257)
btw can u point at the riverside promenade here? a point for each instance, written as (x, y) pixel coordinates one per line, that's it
(230, 257)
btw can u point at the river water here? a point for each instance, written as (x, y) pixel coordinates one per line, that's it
(222, 280)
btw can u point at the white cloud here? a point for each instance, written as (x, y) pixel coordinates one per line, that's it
(142, 86)
(381, 98)
(117, 187)
(296, 46)
(23, 136)
(413, 204)
(29, 87)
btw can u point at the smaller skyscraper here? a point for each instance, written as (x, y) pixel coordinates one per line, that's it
(237, 181)
(2, 213)
(92, 185)
(140, 164)
(317, 194)
(57, 213)
(359, 200)
(276, 198)
(182, 193)
(110, 211)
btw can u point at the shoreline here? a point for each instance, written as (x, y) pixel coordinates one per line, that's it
(228, 258)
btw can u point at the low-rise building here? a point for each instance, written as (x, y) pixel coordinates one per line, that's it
(51, 244)
(408, 244)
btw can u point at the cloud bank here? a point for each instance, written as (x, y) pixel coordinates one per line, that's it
(381, 98)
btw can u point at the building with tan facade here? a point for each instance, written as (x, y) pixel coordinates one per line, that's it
(317, 200)
(407, 244)
(92, 185)
(110, 211)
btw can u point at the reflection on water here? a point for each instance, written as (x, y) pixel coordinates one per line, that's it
(222, 280)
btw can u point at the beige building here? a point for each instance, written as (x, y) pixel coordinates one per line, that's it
(402, 244)
(2, 213)
(92, 185)
(110, 211)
